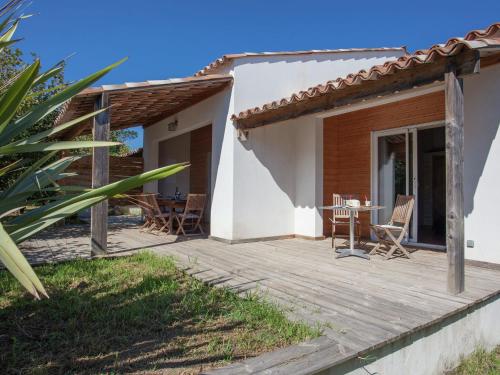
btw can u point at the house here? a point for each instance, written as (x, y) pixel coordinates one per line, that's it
(270, 137)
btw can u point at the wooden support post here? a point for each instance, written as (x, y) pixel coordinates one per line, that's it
(100, 177)
(454, 102)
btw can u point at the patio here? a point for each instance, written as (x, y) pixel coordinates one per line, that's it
(361, 305)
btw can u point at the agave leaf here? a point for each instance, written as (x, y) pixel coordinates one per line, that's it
(5, 22)
(67, 188)
(19, 201)
(13, 223)
(43, 109)
(53, 146)
(11, 166)
(47, 133)
(17, 264)
(5, 37)
(104, 192)
(7, 43)
(37, 181)
(14, 208)
(39, 80)
(51, 218)
(8, 207)
(45, 76)
(13, 97)
(10, 7)
(20, 184)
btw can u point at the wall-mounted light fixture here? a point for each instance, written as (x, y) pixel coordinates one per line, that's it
(172, 126)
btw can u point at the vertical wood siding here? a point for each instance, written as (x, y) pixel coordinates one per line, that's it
(201, 147)
(347, 145)
(120, 167)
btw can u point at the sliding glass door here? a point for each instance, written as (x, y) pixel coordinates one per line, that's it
(394, 172)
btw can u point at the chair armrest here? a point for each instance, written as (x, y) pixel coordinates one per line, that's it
(387, 226)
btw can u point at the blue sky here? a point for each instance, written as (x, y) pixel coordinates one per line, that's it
(165, 39)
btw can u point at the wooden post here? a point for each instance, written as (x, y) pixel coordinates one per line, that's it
(454, 102)
(100, 177)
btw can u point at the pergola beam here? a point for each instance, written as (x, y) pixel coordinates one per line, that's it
(100, 177)
(454, 130)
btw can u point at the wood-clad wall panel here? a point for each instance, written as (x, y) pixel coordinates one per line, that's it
(347, 145)
(120, 167)
(200, 151)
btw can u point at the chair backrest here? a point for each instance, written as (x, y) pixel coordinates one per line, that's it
(339, 200)
(403, 209)
(142, 201)
(153, 203)
(196, 203)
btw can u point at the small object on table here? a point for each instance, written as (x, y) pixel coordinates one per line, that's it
(368, 203)
(352, 203)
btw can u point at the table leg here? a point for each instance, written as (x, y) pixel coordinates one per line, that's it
(351, 229)
(171, 221)
(352, 251)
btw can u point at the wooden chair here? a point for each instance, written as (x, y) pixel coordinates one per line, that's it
(340, 218)
(142, 202)
(160, 219)
(192, 214)
(391, 234)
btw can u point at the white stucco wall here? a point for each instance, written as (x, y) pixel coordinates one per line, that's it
(275, 193)
(262, 79)
(482, 164)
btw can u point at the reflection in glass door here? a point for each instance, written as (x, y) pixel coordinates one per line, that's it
(394, 167)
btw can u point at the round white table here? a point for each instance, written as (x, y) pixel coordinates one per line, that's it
(351, 251)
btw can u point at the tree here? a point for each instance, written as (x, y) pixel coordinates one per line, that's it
(121, 136)
(13, 62)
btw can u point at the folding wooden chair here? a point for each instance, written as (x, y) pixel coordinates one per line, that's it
(192, 214)
(160, 219)
(391, 234)
(141, 201)
(340, 218)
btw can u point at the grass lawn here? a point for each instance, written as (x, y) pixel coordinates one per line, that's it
(137, 314)
(480, 362)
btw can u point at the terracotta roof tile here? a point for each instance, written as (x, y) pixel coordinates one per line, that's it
(476, 39)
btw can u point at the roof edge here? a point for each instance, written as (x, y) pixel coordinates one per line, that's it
(225, 59)
(153, 84)
(486, 39)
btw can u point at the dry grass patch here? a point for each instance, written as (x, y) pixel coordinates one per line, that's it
(137, 314)
(480, 362)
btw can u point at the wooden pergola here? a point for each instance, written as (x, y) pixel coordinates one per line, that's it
(130, 104)
(442, 63)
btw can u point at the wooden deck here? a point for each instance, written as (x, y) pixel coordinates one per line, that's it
(361, 305)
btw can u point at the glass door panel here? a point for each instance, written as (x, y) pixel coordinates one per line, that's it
(394, 170)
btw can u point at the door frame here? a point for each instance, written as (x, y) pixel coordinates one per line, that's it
(413, 129)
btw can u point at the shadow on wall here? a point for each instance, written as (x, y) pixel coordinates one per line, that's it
(482, 121)
(279, 157)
